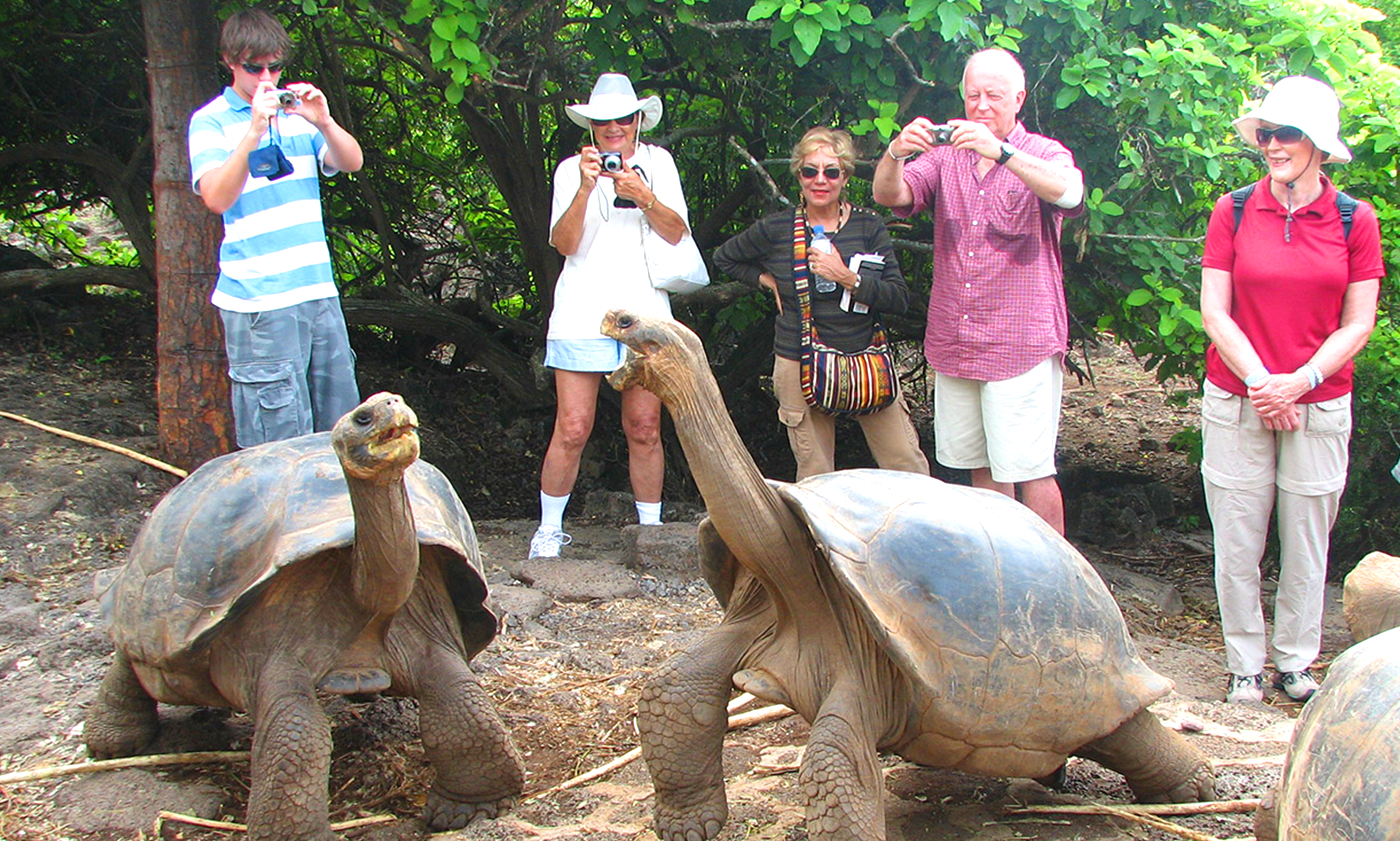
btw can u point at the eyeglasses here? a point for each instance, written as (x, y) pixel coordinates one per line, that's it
(832, 173)
(1283, 134)
(256, 69)
(622, 121)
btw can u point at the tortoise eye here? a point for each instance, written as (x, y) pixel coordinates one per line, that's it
(363, 418)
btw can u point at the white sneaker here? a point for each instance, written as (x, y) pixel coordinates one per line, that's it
(1245, 688)
(1299, 686)
(547, 542)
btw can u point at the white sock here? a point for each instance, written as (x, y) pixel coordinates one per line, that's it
(649, 513)
(552, 510)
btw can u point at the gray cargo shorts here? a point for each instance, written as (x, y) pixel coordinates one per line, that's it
(292, 370)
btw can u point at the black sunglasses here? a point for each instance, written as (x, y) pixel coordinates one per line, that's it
(832, 173)
(257, 69)
(622, 121)
(1284, 134)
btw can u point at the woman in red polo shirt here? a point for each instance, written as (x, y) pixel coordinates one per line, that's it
(1288, 297)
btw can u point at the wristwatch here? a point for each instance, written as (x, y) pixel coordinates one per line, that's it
(1007, 150)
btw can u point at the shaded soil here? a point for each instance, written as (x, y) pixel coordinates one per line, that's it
(565, 673)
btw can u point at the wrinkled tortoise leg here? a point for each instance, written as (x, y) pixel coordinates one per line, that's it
(291, 760)
(682, 718)
(1160, 766)
(840, 774)
(479, 769)
(122, 720)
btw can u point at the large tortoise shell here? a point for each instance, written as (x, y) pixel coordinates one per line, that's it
(228, 528)
(1014, 642)
(1341, 780)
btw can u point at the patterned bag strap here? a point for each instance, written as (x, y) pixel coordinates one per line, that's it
(799, 273)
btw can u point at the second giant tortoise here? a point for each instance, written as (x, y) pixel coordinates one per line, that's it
(1341, 779)
(335, 561)
(948, 625)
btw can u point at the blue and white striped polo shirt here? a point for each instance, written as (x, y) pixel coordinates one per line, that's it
(274, 252)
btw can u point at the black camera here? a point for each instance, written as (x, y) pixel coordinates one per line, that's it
(287, 99)
(268, 162)
(942, 134)
(612, 161)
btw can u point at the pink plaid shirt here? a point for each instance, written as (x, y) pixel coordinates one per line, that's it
(997, 306)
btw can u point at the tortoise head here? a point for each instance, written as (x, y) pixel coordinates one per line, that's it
(663, 356)
(377, 440)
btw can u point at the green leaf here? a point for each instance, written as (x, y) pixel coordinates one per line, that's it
(860, 15)
(921, 9)
(1109, 208)
(1067, 97)
(445, 27)
(808, 33)
(1138, 297)
(762, 9)
(950, 21)
(454, 93)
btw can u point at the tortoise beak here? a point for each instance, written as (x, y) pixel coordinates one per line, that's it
(627, 327)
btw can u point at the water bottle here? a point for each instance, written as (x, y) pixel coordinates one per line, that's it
(821, 243)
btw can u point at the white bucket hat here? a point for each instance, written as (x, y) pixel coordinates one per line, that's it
(614, 97)
(1305, 104)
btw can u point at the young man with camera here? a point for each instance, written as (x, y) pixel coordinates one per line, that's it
(998, 327)
(254, 154)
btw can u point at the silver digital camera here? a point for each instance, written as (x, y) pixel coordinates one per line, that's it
(612, 161)
(942, 134)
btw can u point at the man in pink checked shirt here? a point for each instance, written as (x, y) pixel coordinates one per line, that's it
(998, 327)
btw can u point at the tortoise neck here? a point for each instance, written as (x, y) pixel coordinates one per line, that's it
(746, 511)
(384, 559)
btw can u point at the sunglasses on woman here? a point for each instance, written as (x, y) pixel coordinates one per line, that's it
(257, 69)
(832, 173)
(622, 121)
(1284, 134)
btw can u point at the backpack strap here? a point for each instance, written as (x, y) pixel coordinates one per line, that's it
(1346, 208)
(1239, 197)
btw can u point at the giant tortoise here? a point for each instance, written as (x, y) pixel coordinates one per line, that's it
(893, 612)
(335, 561)
(1341, 779)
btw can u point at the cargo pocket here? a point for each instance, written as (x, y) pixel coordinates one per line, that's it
(799, 436)
(1220, 407)
(1327, 418)
(265, 403)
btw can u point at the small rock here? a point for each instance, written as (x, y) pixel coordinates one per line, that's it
(578, 581)
(521, 602)
(669, 547)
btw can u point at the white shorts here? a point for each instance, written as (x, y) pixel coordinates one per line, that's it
(1010, 426)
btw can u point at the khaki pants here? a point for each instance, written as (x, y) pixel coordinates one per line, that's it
(889, 433)
(1248, 470)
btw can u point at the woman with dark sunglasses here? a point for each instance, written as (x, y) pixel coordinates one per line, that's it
(605, 197)
(845, 302)
(1289, 284)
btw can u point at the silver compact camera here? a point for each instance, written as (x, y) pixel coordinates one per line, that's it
(287, 99)
(942, 134)
(612, 161)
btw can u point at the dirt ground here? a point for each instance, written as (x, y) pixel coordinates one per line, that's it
(567, 668)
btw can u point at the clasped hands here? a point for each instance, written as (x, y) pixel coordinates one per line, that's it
(1275, 400)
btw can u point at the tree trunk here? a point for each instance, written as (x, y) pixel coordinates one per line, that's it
(191, 385)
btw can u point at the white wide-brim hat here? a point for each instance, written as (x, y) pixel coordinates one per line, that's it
(614, 97)
(1305, 104)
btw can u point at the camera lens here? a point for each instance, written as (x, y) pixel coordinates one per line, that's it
(287, 99)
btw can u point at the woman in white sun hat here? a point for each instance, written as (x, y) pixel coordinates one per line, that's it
(1289, 283)
(602, 198)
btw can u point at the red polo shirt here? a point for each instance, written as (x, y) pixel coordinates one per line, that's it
(1287, 295)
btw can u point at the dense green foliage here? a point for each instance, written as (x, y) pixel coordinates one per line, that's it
(459, 106)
